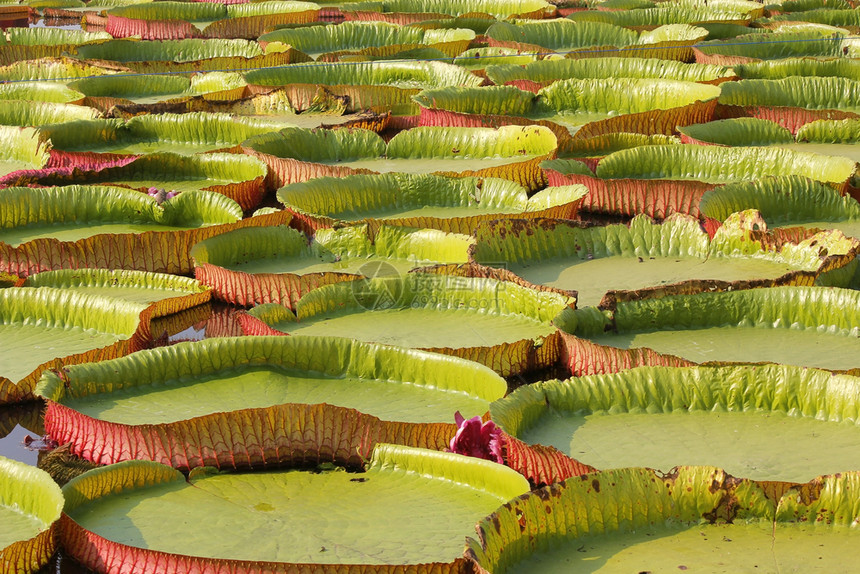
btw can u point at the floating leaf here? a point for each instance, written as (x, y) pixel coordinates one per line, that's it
(416, 493)
(662, 417)
(47, 328)
(254, 266)
(497, 323)
(736, 132)
(673, 257)
(696, 517)
(109, 418)
(30, 505)
(807, 326)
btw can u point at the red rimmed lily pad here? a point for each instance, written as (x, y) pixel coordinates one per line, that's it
(498, 323)
(279, 265)
(405, 495)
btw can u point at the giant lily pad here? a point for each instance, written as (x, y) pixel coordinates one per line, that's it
(139, 88)
(79, 226)
(498, 323)
(416, 200)
(169, 50)
(61, 69)
(793, 101)
(21, 148)
(41, 91)
(54, 37)
(796, 423)
(191, 390)
(510, 152)
(786, 201)
(418, 507)
(675, 256)
(754, 47)
(604, 104)
(784, 68)
(497, 8)
(546, 71)
(355, 36)
(736, 132)
(235, 176)
(30, 505)
(597, 39)
(44, 328)
(179, 133)
(696, 518)
(663, 179)
(24, 113)
(807, 326)
(162, 293)
(697, 12)
(278, 265)
(398, 74)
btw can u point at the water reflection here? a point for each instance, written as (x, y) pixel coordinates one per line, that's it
(19, 423)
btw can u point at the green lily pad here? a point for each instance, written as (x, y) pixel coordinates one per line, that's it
(30, 505)
(279, 265)
(47, 327)
(493, 322)
(409, 386)
(786, 201)
(24, 113)
(793, 423)
(75, 212)
(545, 71)
(738, 132)
(671, 256)
(171, 293)
(417, 200)
(696, 518)
(510, 152)
(187, 134)
(805, 326)
(406, 74)
(405, 496)
(22, 148)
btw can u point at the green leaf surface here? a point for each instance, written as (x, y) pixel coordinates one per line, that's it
(796, 423)
(169, 50)
(39, 92)
(30, 502)
(410, 506)
(806, 326)
(133, 286)
(809, 93)
(786, 201)
(25, 113)
(143, 88)
(721, 164)
(74, 212)
(594, 260)
(424, 311)
(550, 70)
(347, 250)
(190, 380)
(775, 47)
(189, 133)
(785, 68)
(407, 74)
(22, 148)
(739, 132)
(696, 518)
(43, 324)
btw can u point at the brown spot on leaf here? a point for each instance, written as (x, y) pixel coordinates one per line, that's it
(595, 484)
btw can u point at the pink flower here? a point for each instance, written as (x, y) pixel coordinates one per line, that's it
(476, 439)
